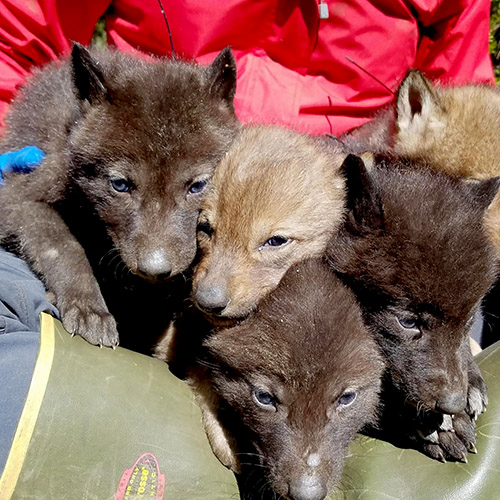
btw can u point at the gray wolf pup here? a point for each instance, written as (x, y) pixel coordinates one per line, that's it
(109, 217)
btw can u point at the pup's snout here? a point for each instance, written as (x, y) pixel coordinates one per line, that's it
(308, 488)
(154, 265)
(212, 299)
(451, 402)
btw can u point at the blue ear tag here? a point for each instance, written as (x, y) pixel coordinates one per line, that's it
(323, 11)
(23, 161)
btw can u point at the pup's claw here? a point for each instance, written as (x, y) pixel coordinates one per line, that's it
(453, 447)
(465, 427)
(434, 451)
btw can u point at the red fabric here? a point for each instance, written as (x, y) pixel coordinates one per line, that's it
(292, 66)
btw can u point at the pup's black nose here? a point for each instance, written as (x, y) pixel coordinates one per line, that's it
(308, 488)
(154, 265)
(212, 299)
(451, 402)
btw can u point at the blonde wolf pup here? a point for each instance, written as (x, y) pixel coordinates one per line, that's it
(276, 199)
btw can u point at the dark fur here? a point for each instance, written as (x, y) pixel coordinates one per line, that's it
(413, 247)
(306, 346)
(159, 125)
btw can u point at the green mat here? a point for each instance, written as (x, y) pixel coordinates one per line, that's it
(103, 424)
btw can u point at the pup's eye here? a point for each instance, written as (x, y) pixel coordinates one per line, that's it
(121, 185)
(197, 187)
(276, 241)
(205, 227)
(407, 322)
(347, 398)
(264, 399)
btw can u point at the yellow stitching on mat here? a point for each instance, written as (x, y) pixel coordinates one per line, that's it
(32, 406)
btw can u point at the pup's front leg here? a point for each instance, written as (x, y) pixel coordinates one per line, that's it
(462, 437)
(221, 441)
(53, 252)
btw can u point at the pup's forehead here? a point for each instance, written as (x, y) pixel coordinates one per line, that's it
(274, 158)
(289, 374)
(264, 187)
(311, 325)
(433, 251)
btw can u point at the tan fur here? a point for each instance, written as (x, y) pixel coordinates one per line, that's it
(272, 182)
(459, 132)
(475, 348)
(222, 443)
(165, 346)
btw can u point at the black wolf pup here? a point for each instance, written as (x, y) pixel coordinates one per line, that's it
(414, 250)
(291, 385)
(110, 215)
(453, 129)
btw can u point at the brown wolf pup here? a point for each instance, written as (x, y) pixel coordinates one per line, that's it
(285, 391)
(276, 198)
(110, 215)
(414, 251)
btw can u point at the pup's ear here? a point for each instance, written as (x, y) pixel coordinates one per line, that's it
(222, 76)
(88, 77)
(417, 102)
(484, 191)
(364, 206)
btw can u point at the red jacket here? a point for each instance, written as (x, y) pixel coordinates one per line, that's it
(293, 67)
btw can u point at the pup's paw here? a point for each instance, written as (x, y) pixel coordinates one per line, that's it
(477, 397)
(465, 429)
(91, 320)
(452, 440)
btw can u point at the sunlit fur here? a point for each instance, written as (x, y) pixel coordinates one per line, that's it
(453, 129)
(272, 182)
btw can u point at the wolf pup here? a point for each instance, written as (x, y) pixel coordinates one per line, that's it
(455, 129)
(291, 384)
(130, 147)
(276, 198)
(451, 128)
(414, 251)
